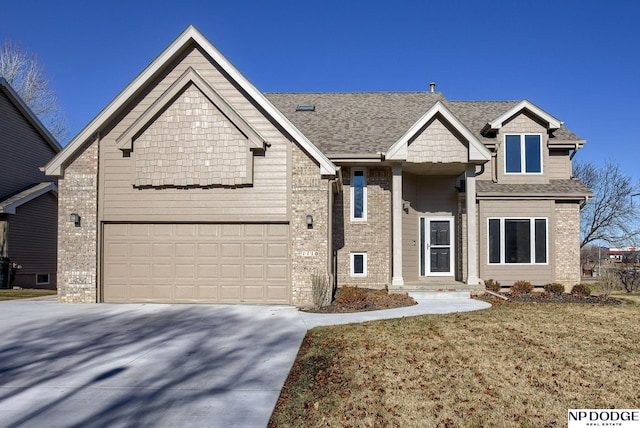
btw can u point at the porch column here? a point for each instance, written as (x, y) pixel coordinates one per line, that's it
(472, 232)
(396, 195)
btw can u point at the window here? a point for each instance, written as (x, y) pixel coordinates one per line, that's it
(517, 241)
(358, 195)
(42, 279)
(523, 154)
(358, 264)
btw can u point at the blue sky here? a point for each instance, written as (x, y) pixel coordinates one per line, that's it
(577, 59)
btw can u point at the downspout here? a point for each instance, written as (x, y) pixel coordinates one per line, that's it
(330, 183)
(494, 166)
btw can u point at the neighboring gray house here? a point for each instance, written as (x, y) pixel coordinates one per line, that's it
(193, 186)
(28, 198)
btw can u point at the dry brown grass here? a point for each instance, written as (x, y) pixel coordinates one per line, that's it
(514, 365)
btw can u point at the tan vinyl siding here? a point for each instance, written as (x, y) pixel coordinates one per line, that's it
(32, 239)
(559, 165)
(428, 196)
(265, 200)
(22, 150)
(508, 274)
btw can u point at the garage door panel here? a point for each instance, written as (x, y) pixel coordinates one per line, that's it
(226, 263)
(276, 250)
(254, 250)
(207, 250)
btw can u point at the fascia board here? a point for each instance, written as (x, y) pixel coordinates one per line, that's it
(56, 166)
(522, 105)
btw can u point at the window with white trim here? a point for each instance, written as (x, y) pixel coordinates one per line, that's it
(358, 195)
(523, 154)
(517, 240)
(358, 264)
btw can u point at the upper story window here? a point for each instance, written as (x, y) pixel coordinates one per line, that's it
(358, 195)
(523, 154)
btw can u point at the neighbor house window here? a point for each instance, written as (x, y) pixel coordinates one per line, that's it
(517, 240)
(358, 194)
(42, 279)
(358, 264)
(523, 154)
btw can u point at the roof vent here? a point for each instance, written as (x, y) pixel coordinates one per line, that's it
(306, 107)
(432, 87)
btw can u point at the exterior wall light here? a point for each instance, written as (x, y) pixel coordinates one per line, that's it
(75, 219)
(309, 221)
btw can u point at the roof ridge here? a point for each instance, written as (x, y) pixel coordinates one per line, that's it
(352, 92)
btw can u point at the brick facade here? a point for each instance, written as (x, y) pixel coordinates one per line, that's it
(372, 236)
(567, 243)
(77, 246)
(309, 246)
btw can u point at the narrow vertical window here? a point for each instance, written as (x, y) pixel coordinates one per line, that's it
(358, 195)
(513, 154)
(494, 240)
(541, 240)
(358, 264)
(533, 162)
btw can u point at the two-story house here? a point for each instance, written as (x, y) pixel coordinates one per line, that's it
(28, 198)
(194, 186)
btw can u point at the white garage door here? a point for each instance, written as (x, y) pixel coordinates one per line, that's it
(187, 263)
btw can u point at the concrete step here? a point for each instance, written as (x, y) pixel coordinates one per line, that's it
(439, 295)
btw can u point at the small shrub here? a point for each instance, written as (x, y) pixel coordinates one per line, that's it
(521, 287)
(352, 297)
(554, 288)
(609, 282)
(492, 285)
(582, 290)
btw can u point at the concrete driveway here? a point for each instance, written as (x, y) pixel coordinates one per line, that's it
(143, 365)
(76, 365)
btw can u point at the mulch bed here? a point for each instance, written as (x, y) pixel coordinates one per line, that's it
(538, 297)
(370, 300)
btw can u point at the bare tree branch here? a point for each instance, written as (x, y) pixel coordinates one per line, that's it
(24, 73)
(611, 216)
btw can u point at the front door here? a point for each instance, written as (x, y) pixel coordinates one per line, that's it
(436, 249)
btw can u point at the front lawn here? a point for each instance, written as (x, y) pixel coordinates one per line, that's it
(24, 294)
(514, 365)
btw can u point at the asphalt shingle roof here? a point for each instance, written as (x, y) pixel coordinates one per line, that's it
(569, 187)
(370, 122)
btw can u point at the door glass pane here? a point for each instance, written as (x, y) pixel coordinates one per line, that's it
(541, 241)
(358, 194)
(517, 236)
(532, 153)
(494, 240)
(512, 154)
(439, 233)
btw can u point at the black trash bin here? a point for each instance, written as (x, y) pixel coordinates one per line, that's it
(5, 271)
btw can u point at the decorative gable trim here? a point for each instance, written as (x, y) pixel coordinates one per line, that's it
(399, 149)
(498, 122)
(9, 205)
(125, 141)
(56, 166)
